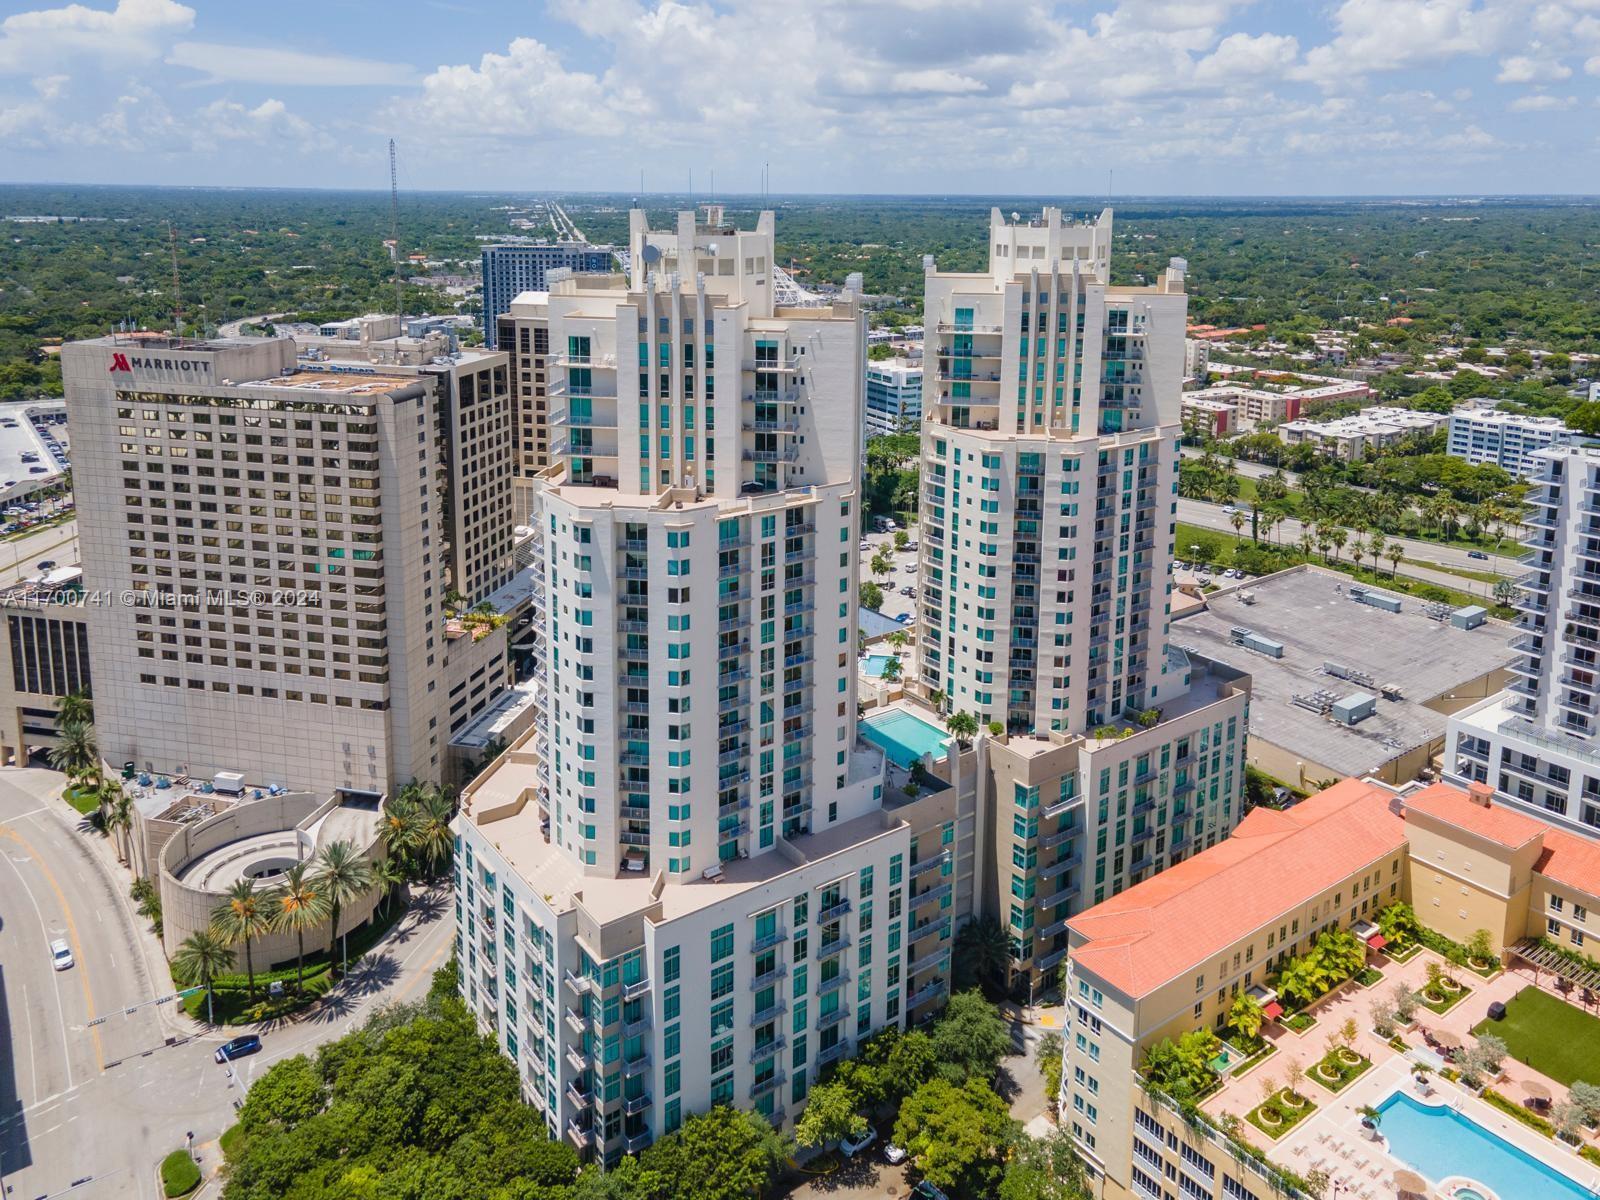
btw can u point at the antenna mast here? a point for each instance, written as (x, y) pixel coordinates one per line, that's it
(394, 230)
(177, 294)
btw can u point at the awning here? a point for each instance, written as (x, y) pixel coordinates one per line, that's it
(1273, 1011)
(1377, 941)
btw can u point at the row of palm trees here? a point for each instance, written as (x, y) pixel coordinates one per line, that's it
(309, 894)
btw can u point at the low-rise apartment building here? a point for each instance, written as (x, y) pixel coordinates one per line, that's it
(1505, 440)
(1349, 438)
(1172, 954)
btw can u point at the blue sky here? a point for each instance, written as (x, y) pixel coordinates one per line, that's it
(946, 96)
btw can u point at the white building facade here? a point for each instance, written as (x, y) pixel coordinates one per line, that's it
(1505, 440)
(682, 886)
(1050, 449)
(1538, 742)
(894, 396)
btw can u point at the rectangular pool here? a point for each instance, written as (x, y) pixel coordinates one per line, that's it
(873, 664)
(1439, 1142)
(905, 738)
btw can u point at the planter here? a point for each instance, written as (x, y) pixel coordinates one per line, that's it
(1349, 1057)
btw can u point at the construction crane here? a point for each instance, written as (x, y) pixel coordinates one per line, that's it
(394, 230)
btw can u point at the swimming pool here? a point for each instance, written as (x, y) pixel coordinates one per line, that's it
(904, 737)
(873, 664)
(1440, 1142)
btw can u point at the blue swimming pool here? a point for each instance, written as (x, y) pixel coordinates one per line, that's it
(1440, 1142)
(873, 664)
(905, 738)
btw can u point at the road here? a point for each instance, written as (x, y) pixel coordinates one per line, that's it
(232, 329)
(1211, 516)
(20, 557)
(100, 1105)
(565, 229)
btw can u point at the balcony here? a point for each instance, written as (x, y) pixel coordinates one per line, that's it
(634, 1105)
(769, 978)
(837, 946)
(767, 1049)
(834, 984)
(828, 1019)
(930, 895)
(937, 958)
(776, 937)
(636, 1066)
(764, 1015)
(1055, 868)
(635, 1142)
(833, 912)
(576, 1022)
(632, 991)
(925, 993)
(577, 1096)
(939, 925)
(578, 984)
(1067, 892)
(835, 1051)
(772, 1082)
(930, 864)
(576, 1059)
(637, 1026)
(581, 1136)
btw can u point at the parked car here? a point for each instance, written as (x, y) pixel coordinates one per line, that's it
(903, 618)
(906, 591)
(893, 1155)
(852, 1146)
(1479, 554)
(60, 954)
(240, 1047)
(926, 1191)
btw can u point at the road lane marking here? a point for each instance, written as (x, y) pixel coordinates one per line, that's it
(33, 1050)
(66, 1049)
(77, 947)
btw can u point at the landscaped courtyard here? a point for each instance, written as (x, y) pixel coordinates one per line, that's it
(1553, 1037)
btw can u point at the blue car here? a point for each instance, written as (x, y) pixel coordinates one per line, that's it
(240, 1047)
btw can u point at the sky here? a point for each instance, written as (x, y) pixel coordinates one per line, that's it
(1027, 97)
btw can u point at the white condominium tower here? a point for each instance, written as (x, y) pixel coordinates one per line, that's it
(1049, 466)
(267, 542)
(682, 887)
(1538, 742)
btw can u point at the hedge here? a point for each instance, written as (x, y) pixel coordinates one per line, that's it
(1513, 1109)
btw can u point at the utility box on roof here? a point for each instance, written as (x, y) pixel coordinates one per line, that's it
(1469, 616)
(1347, 710)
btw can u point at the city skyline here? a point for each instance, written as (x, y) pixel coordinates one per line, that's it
(1361, 98)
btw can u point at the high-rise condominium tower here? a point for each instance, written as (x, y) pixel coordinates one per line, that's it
(1538, 742)
(682, 887)
(1049, 467)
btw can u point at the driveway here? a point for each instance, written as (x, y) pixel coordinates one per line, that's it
(92, 1107)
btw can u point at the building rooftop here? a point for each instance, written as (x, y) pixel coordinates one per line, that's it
(1476, 815)
(1273, 862)
(1310, 612)
(345, 381)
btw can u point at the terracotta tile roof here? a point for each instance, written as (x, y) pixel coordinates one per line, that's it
(1494, 822)
(1570, 859)
(1185, 916)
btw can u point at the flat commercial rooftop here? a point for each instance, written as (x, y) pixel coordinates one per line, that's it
(1310, 612)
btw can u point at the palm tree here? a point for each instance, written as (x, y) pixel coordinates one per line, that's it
(75, 752)
(344, 876)
(118, 808)
(1396, 553)
(400, 826)
(435, 839)
(242, 917)
(75, 708)
(1338, 536)
(388, 873)
(899, 639)
(963, 726)
(1237, 521)
(981, 956)
(296, 905)
(200, 959)
(937, 699)
(1308, 543)
(891, 670)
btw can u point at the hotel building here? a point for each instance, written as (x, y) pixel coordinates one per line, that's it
(1049, 468)
(686, 885)
(1172, 954)
(516, 267)
(271, 539)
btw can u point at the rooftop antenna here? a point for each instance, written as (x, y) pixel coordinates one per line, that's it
(177, 293)
(394, 228)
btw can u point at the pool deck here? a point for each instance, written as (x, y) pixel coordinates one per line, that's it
(1332, 1138)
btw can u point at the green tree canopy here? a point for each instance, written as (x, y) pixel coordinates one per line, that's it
(969, 1039)
(957, 1136)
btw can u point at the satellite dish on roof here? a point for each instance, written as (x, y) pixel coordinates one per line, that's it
(652, 254)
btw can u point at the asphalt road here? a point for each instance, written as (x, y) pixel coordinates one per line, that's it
(1211, 516)
(98, 1106)
(20, 557)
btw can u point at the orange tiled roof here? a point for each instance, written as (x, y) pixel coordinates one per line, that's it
(1570, 859)
(1494, 822)
(1186, 915)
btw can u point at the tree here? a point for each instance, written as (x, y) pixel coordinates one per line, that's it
(981, 957)
(1493, 1050)
(830, 1115)
(871, 596)
(1046, 1168)
(1245, 1016)
(296, 905)
(344, 876)
(75, 708)
(291, 1092)
(1587, 1097)
(956, 1136)
(1237, 520)
(881, 562)
(963, 726)
(1480, 946)
(1182, 1069)
(1383, 1017)
(117, 806)
(241, 918)
(1293, 1076)
(969, 1039)
(201, 957)
(891, 671)
(75, 751)
(1405, 1003)
(1047, 1058)
(725, 1154)
(1568, 1118)
(901, 539)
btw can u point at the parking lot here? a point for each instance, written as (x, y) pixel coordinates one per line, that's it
(33, 447)
(903, 576)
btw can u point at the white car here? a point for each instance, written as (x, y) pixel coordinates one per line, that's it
(1229, 510)
(60, 954)
(893, 1155)
(852, 1146)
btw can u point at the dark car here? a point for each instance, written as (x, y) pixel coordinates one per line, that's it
(1477, 554)
(240, 1047)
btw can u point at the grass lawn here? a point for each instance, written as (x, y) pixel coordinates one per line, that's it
(1553, 1037)
(85, 800)
(1300, 1022)
(1335, 1070)
(1278, 1114)
(1368, 976)
(1451, 999)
